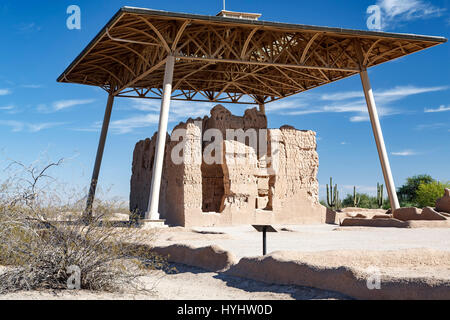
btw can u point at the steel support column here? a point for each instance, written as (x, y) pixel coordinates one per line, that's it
(382, 153)
(153, 203)
(99, 157)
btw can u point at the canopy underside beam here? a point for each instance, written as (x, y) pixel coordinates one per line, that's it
(217, 61)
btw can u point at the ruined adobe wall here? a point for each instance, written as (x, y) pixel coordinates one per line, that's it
(253, 190)
(298, 163)
(222, 119)
(295, 185)
(181, 184)
(142, 168)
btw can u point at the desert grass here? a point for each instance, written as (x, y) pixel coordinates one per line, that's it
(46, 244)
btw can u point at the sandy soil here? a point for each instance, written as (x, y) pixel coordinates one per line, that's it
(396, 252)
(244, 241)
(190, 284)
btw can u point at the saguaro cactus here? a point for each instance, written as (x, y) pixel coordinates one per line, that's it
(333, 197)
(380, 195)
(356, 198)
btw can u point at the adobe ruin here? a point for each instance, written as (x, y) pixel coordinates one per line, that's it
(272, 183)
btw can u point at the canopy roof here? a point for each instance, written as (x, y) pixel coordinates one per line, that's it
(229, 60)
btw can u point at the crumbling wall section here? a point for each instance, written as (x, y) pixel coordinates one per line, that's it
(142, 169)
(240, 168)
(298, 164)
(249, 186)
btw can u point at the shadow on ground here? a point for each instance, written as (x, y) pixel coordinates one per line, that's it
(252, 286)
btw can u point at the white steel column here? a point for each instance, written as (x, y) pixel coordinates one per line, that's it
(382, 153)
(99, 157)
(153, 203)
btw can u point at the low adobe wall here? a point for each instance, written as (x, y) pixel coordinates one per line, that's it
(283, 269)
(277, 269)
(212, 258)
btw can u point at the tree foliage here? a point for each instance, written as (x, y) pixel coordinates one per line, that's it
(407, 192)
(428, 193)
(366, 202)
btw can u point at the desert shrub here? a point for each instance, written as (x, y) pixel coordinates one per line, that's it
(427, 194)
(366, 202)
(42, 253)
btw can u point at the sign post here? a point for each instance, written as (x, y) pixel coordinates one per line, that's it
(264, 229)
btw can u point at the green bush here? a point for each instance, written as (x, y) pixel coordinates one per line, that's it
(367, 202)
(407, 192)
(428, 193)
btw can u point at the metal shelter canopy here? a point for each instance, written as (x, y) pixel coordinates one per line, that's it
(228, 60)
(143, 53)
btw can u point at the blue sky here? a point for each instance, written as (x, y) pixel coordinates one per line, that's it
(41, 118)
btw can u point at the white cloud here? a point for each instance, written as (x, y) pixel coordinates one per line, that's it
(305, 112)
(18, 126)
(350, 102)
(354, 106)
(64, 104)
(396, 11)
(5, 92)
(32, 86)
(29, 27)
(343, 95)
(405, 153)
(382, 112)
(36, 127)
(432, 126)
(440, 109)
(129, 124)
(285, 105)
(179, 111)
(8, 108)
(43, 108)
(96, 129)
(401, 92)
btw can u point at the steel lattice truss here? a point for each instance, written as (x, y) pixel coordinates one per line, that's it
(228, 60)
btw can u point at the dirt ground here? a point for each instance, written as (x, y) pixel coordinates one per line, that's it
(190, 284)
(244, 241)
(415, 253)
